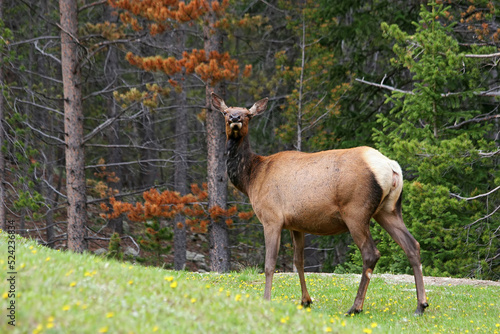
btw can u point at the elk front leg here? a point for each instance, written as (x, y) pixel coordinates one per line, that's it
(272, 236)
(393, 223)
(298, 257)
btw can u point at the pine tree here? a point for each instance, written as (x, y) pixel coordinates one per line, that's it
(434, 130)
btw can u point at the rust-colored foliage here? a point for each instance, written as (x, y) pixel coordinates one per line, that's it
(212, 68)
(100, 187)
(168, 203)
(479, 19)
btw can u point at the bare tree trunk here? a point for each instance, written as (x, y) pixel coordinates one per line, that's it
(180, 177)
(180, 165)
(300, 112)
(216, 162)
(73, 127)
(3, 194)
(149, 172)
(113, 132)
(44, 120)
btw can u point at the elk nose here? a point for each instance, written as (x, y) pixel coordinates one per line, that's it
(234, 118)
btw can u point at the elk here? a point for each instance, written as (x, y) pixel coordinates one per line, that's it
(323, 193)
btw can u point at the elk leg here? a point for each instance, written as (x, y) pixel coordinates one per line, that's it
(298, 259)
(272, 236)
(370, 254)
(393, 223)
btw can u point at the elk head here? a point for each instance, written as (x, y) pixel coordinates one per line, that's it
(237, 118)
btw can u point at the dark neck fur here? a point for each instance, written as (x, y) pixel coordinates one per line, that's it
(240, 161)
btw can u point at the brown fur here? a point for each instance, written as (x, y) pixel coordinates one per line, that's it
(323, 193)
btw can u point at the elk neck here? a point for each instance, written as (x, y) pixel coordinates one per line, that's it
(241, 162)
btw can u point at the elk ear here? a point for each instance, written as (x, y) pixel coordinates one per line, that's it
(259, 107)
(218, 103)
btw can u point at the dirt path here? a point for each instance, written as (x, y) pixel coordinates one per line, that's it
(439, 281)
(436, 281)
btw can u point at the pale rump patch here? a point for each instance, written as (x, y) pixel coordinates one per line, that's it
(388, 174)
(369, 274)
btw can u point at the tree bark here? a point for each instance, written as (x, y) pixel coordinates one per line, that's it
(216, 161)
(180, 177)
(43, 120)
(149, 172)
(180, 164)
(113, 132)
(3, 194)
(73, 127)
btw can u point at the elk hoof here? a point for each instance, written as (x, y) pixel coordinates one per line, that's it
(307, 303)
(420, 309)
(353, 311)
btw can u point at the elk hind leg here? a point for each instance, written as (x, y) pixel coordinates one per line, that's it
(393, 223)
(298, 258)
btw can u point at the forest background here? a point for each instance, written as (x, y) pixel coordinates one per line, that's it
(109, 144)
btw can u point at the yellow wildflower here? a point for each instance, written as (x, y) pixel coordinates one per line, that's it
(103, 329)
(38, 329)
(66, 307)
(72, 284)
(174, 284)
(169, 278)
(110, 314)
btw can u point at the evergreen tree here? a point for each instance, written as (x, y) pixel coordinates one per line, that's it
(438, 133)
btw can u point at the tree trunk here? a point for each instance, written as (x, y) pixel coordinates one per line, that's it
(3, 194)
(73, 127)
(216, 161)
(180, 164)
(43, 120)
(180, 177)
(149, 171)
(113, 132)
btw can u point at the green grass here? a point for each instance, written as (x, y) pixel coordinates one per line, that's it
(62, 292)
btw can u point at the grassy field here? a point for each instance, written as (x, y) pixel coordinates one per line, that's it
(61, 292)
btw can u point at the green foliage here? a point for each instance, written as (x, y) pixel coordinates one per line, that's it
(440, 158)
(155, 238)
(114, 249)
(304, 69)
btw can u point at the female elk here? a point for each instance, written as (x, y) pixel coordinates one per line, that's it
(323, 193)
